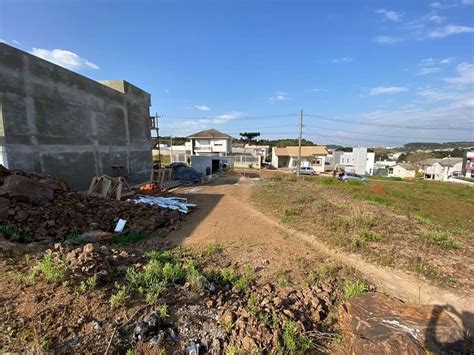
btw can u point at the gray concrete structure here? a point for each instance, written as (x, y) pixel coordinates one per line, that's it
(55, 121)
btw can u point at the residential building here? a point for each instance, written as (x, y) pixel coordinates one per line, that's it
(314, 156)
(468, 164)
(381, 167)
(211, 142)
(359, 161)
(402, 170)
(442, 169)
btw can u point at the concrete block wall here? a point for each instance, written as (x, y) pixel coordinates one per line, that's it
(55, 121)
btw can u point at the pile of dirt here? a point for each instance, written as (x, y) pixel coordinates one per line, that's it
(37, 207)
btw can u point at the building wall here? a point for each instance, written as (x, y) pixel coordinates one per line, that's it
(401, 172)
(212, 146)
(61, 123)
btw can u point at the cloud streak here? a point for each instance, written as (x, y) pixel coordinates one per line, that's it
(387, 90)
(342, 60)
(450, 30)
(202, 107)
(389, 15)
(64, 58)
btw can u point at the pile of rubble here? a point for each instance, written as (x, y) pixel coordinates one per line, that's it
(41, 207)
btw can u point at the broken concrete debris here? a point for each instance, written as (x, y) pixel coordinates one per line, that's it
(41, 207)
(173, 203)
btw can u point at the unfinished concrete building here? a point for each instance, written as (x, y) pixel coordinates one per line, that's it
(55, 121)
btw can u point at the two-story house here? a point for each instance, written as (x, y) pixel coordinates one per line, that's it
(211, 142)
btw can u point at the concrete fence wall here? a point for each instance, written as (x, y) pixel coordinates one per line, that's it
(56, 121)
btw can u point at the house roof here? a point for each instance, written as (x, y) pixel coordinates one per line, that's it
(406, 166)
(210, 133)
(306, 151)
(449, 161)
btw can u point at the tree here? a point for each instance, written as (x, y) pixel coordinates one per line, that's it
(249, 136)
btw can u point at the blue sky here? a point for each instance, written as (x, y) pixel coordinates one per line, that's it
(253, 65)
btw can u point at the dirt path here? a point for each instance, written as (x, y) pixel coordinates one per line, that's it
(226, 216)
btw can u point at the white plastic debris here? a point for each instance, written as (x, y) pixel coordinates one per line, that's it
(120, 226)
(173, 203)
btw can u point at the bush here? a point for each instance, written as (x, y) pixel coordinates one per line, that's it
(293, 339)
(120, 298)
(53, 271)
(353, 289)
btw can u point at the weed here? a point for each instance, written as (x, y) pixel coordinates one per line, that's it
(91, 281)
(163, 310)
(129, 238)
(12, 232)
(212, 249)
(154, 292)
(193, 276)
(252, 303)
(422, 219)
(229, 276)
(120, 298)
(293, 339)
(354, 288)
(26, 279)
(54, 271)
(76, 238)
(266, 318)
(444, 240)
(228, 327)
(45, 344)
(82, 288)
(245, 279)
(129, 352)
(234, 350)
(163, 257)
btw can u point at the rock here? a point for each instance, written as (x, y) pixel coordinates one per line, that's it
(4, 206)
(24, 189)
(89, 248)
(227, 318)
(248, 343)
(277, 301)
(4, 171)
(376, 324)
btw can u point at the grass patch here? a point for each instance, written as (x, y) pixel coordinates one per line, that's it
(12, 232)
(444, 240)
(129, 238)
(353, 289)
(53, 270)
(212, 249)
(119, 298)
(294, 341)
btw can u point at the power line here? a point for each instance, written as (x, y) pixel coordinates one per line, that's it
(381, 135)
(386, 125)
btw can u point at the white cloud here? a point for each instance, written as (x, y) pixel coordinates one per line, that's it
(342, 60)
(436, 18)
(16, 42)
(465, 77)
(279, 96)
(202, 107)
(387, 90)
(450, 30)
(426, 71)
(427, 62)
(443, 5)
(446, 60)
(166, 91)
(388, 39)
(315, 90)
(64, 58)
(389, 14)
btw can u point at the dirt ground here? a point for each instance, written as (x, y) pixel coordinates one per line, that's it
(228, 216)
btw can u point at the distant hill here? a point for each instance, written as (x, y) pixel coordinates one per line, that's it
(428, 145)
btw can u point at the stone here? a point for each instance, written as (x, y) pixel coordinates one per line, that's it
(24, 189)
(89, 248)
(248, 343)
(4, 206)
(373, 323)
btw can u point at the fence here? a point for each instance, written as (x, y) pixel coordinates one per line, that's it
(246, 161)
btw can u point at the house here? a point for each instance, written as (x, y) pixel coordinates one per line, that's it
(211, 142)
(402, 170)
(381, 167)
(314, 156)
(442, 169)
(468, 164)
(359, 161)
(249, 156)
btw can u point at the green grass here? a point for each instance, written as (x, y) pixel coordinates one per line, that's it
(353, 289)
(119, 298)
(12, 232)
(129, 238)
(444, 240)
(427, 199)
(294, 341)
(53, 270)
(212, 249)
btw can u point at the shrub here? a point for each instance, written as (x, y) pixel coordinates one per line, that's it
(53, 271)
(245, 279)
(293, 339)
(119, 298)
(212, 249)
(12, 232)
(353, 289)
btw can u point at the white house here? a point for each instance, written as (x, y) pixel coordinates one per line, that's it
(359, 161)
(314, 156)
(211, 142)
(442, 169)
(402, 170)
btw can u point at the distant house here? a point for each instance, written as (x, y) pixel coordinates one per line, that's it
(359, 161)
(211, 142)
(402, 170)
(468, 164)
(314, 156)
(442, 169)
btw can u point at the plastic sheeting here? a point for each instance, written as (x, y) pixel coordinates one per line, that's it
(173, 203)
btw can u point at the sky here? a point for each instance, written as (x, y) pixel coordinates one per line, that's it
(365, 73)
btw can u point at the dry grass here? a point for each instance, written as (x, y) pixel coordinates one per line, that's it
(377, 221)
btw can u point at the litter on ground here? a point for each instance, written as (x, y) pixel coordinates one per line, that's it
(174, 203)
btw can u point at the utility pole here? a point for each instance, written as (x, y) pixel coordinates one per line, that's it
(171, 149)
(299, 145)
(158, 136)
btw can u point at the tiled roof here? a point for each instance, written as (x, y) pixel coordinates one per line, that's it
(306, 151)
(210, 133)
